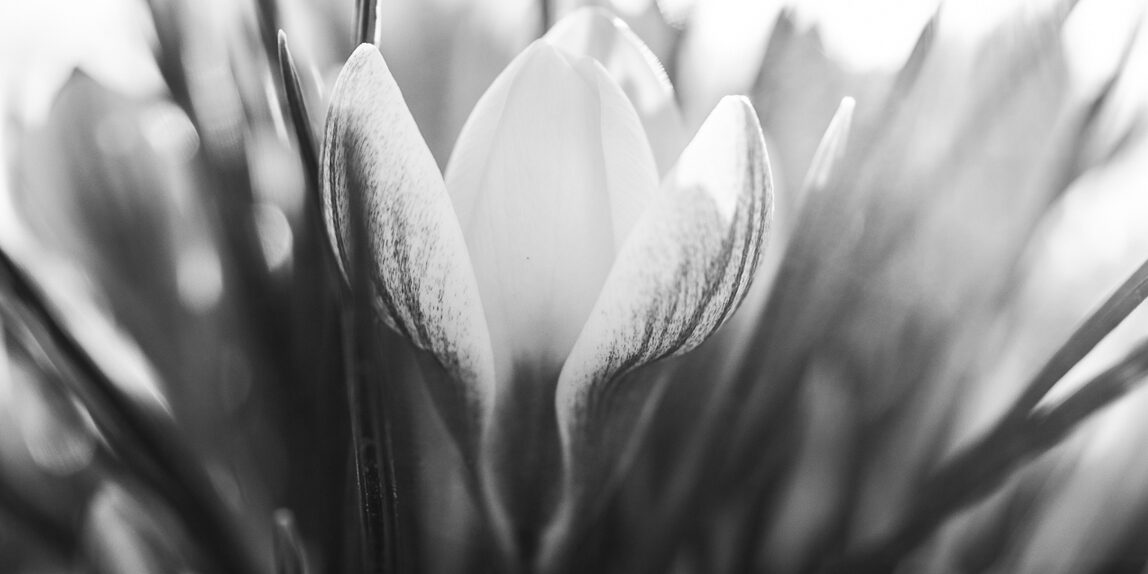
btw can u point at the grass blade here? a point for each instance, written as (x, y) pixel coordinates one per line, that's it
(1097, 326)
(304, 134)
(372, 454)
(981, 469)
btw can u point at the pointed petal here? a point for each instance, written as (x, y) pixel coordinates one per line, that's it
(831, 150)
(595, 33)
(421, 276)
(549, 174)
(686, 267)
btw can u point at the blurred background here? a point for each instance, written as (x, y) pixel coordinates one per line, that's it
(994, 191)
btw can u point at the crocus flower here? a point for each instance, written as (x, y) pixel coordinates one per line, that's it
(871, 405)
(552, 259)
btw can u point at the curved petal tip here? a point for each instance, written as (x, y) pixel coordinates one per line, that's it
(686, 267)
(375, 166)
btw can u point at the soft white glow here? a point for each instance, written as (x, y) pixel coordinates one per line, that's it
(631, 7)
(1096, 36)
(274, 235)
(547, 178)
(723, 52)
(869, 34)
(199, 275)
(41, 43)
(169, 130)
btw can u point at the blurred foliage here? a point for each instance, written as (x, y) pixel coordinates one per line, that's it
(989, 195)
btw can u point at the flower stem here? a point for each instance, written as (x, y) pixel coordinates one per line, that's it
(365, 21)
(365, 429)
(370, 432)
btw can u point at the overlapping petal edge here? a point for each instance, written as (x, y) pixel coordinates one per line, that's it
(685, 269)
(686, 266)
(419, 272)
(678, 276)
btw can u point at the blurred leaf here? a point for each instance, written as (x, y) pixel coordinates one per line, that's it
(123, 534)
(290, 556)
(147, 444)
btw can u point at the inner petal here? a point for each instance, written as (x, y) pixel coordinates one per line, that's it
(544, 182)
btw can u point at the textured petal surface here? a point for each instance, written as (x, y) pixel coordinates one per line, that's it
(595, 33)
(685, 269)
(418, 266)
(548, 177)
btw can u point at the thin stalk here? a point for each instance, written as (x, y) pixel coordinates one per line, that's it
(372, 453)
(1049, 424)
(301, 119)
(312, 229)
(1102, 321)
(1025, 430)
(400, 450)
(364, 21)
(978, 471)
(365, 445)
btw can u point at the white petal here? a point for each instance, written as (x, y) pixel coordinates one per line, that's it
(683, 272)
(595, 33)
(421, 275)
(548, 177)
